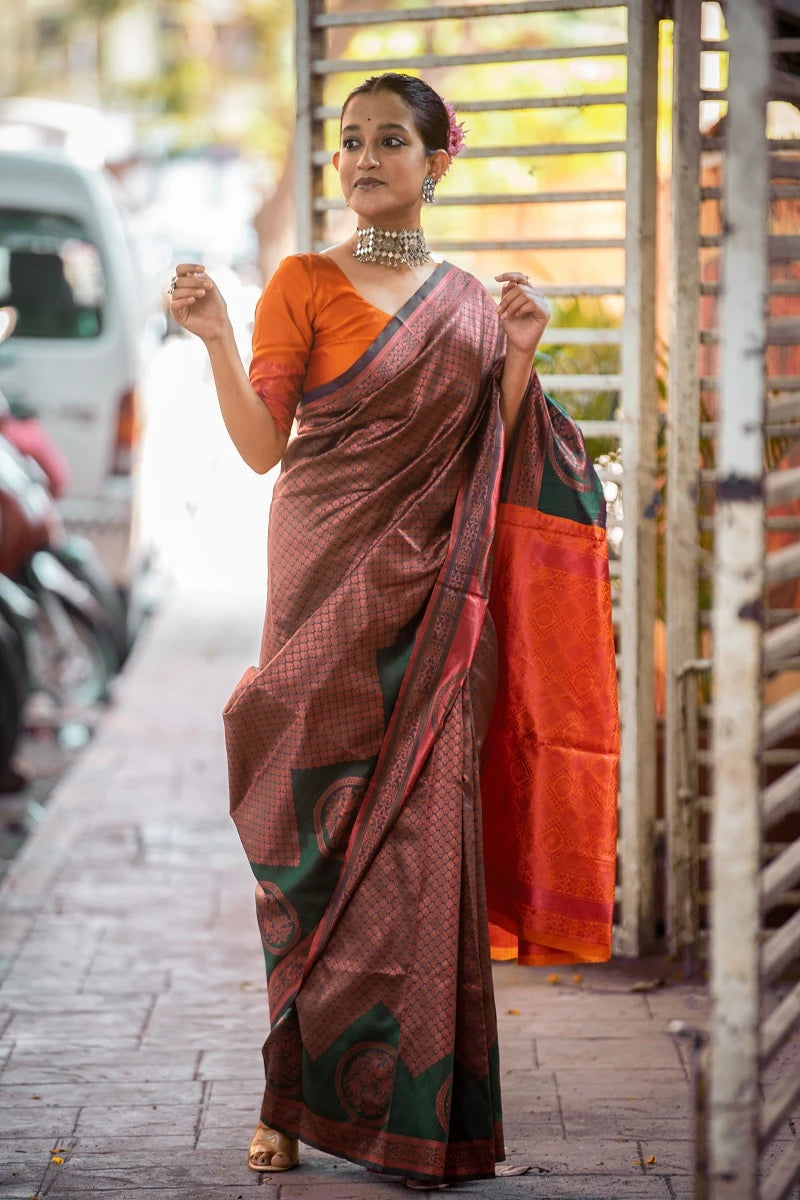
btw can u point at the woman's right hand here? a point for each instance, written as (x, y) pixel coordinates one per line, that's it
(196, 303)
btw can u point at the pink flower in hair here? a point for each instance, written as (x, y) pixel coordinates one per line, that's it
(455, 140)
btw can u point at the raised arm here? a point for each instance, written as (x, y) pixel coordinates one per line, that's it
(524, 314)
(198, 306)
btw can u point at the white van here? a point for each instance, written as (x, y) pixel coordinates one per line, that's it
(74, 360)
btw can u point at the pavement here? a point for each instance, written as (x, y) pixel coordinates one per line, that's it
(132, 1001)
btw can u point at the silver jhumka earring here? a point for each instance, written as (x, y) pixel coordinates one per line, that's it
(428, 189)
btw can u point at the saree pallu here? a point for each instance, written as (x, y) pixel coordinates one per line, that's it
(550, 760)
(353, 750)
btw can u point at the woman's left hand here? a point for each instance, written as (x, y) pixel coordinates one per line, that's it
(523, 312)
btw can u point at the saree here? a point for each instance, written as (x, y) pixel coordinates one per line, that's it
(354, 750)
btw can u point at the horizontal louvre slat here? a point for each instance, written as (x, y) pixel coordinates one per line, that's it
(780, 409)
(777, 191)
(555, 335)
(332, 112)
(780, 875)
(780, 719)
(780, 383)
(785, 168)
(582, 289)
(783, 485)
(783, 564)
(779, 287)
(781, 1106)
(582, 383)
(324, 203)
(783, 1176)
(781, 331)
(584, 100)
(781, 642)
(783, 248)
(600, 429)
(781, 756)
(784, 524)
(530, 244)
(779, 1026)
(441, 12)
(321, 158)
(421, 62)
(781, 948)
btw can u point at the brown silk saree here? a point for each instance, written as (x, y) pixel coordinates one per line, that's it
(354, 748)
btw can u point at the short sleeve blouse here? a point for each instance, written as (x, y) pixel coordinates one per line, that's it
(311, 325)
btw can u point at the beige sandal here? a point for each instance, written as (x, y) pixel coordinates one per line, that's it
(272, 1151)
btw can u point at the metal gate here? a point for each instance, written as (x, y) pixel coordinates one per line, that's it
(755, 925)
(733, 714)
(506, 222)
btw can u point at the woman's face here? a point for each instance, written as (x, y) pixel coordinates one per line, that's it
(382, 161)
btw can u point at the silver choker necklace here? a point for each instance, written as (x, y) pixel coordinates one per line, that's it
(392, 247)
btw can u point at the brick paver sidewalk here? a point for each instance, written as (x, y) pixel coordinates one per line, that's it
(132, 1007)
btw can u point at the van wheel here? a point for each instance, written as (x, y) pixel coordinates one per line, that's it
(73, 659)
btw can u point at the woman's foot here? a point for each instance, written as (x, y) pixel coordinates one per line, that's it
(272, 1151)
(419, 1185)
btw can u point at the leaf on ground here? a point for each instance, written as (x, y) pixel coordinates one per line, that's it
(554, 978)
(647, 985)
(512, 1012)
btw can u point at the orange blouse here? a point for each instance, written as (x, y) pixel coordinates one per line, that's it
(311, 324)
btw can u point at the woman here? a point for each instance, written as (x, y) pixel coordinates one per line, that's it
(353, 749)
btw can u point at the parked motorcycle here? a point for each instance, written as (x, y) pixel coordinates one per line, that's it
(32, 440)
(53, 623)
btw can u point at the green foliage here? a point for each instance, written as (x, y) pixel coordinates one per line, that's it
(97, 10)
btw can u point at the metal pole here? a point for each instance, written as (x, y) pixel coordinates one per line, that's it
(738, 587)
(637, 684)
(302, 154)
(683, 441)
(309, 46)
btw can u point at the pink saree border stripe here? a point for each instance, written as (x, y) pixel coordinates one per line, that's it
(378, 1147)
(552, 901)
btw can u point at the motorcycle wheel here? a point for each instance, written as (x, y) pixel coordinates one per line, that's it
(73, 659)
(13, 690)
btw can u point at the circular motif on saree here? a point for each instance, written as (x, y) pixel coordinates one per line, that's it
(334, 814)
(442, 1104)
(277, 919)
(567, 455)
(284, 1060)
(365, 1081)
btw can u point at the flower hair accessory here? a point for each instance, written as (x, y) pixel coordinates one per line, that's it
(455, 138)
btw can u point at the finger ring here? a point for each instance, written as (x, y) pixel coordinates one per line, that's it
(173, 284)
